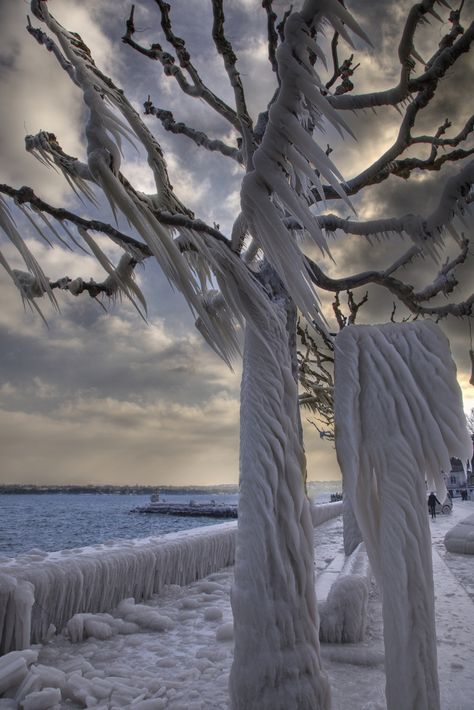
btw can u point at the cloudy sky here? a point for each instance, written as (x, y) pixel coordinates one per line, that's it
(103, 397)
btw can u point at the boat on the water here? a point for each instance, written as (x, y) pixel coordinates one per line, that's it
(191, 509)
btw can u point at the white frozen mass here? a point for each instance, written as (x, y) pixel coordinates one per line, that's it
(40, 591)
(177, 652)
(399, 419)
(460, 539)
(276, 655)
(47, 589)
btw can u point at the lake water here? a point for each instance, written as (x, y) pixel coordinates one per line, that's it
(58, 521)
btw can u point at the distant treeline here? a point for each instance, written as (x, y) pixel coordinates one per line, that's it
(119, 490)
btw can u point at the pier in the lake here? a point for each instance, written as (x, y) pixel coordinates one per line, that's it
(192, 509)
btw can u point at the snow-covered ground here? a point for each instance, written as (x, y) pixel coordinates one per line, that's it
(184, 662)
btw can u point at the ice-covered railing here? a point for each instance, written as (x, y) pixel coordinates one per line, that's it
(41, 589)
(325, 511)
(96, 579)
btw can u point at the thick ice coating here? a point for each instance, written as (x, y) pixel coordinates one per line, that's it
(399, 419)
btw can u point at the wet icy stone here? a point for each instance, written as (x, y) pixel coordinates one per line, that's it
(225, 632)
(212, 613)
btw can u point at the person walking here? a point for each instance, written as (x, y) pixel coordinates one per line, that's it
(432, 500)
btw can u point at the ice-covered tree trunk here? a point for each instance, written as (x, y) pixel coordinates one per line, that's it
(399, 418)
(351, 531)
(276, 660)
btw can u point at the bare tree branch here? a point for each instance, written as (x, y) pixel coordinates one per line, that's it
(405, 293)
(272, 34)
(199, 137)
(197, 88)
(436, 70)
(224, 47)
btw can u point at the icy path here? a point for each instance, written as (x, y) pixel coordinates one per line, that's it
(462, 566)
(186, 666)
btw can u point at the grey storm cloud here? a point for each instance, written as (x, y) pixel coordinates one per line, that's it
(102, 394)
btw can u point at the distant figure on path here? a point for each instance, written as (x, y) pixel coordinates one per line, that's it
(432, 500)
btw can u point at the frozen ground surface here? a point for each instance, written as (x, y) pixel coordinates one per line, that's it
(185, 665)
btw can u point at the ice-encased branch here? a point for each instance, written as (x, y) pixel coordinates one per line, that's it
(454, 200)
(199, 137)
(272, 34)
(436, 68)
(103, 134)
(444, 283)
(73, 47)
(288, 163)
(389, 163)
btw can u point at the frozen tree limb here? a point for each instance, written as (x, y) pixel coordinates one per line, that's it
(226, 51)
(26, 195)
(272, 34)
(405, 293)
(197, 87)
(441, 62)
(387, 164)
(455, 197)
(199, 137)
(77, 49)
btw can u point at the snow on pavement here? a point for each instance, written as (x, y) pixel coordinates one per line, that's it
(184, 662)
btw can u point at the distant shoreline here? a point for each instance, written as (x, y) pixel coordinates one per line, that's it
(13, 488)
(224, 488)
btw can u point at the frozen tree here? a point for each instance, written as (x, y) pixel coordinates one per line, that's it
(257, 278)
(385, 457)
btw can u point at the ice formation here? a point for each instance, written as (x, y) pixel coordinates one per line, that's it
(343, 616)
(41, 592)
(276, 655)
(460, 538)
(186, 667)
(352, 535)
(342, 590)
(399, 418)
(325, 511)
(38, 591)
(288, 163)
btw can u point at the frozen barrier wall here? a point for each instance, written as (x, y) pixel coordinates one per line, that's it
(325, 511)
(41, 589)
(97, 578)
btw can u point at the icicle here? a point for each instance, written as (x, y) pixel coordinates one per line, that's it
(224, 339)
(286, 141)
(8, 226)
(120, 277)
(99, 578)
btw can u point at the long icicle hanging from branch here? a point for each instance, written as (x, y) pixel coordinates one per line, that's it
(104, 131)
(289, 163)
